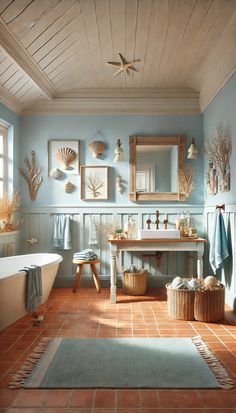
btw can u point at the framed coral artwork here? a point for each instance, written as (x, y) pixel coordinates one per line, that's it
(94, 182)
(63, 155)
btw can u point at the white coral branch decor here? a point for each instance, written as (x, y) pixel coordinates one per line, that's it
(186, 181)
(32, 175)
(94, 183)
(219, 151)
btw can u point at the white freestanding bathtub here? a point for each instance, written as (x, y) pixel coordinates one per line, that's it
(13, 283)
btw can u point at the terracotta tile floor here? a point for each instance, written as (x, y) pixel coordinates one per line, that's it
(88, 314)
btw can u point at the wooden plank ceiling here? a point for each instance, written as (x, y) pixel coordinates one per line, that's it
(57, 49)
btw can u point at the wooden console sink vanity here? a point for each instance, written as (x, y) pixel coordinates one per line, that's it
(178, 244)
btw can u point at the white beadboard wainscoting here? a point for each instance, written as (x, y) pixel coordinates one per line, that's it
(228, 275)
(38, 223)
(9, 243)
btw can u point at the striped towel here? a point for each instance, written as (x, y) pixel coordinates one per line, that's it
(218, 243)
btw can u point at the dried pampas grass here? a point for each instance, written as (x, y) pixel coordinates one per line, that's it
(9, 205)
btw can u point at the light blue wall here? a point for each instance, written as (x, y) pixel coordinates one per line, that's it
(13, 122)
(222, 108)
(33, 133)
(37, 130)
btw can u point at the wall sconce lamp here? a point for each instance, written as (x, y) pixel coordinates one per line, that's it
(192, 151)
(119, 152)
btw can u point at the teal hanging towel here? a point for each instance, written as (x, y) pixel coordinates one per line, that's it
(218, 242)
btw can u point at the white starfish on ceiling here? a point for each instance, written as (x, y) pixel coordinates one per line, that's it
(123, 65)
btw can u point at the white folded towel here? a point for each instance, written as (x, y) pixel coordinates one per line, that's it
(87, 254)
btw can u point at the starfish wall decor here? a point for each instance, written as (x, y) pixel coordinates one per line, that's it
(123, 66)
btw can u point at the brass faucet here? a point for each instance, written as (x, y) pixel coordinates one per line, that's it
(157, 219)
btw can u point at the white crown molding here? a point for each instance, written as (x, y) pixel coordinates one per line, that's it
(118, 101)
(115, 107)
(10, 101)
(205, 99)
(14, 48)
(131, 93)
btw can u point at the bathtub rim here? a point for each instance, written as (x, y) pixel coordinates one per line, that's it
(58, 259)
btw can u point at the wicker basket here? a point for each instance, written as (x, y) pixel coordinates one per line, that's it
(134, 283)
(209, 305)
(180, 303)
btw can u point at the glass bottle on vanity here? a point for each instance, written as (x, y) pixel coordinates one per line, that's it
(130, 228)
(192, 230)
(182, 225)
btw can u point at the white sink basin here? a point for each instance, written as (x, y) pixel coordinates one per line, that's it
(158, 233)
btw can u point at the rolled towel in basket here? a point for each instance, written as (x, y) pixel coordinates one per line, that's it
(179, 283)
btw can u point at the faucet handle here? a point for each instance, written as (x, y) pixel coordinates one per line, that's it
(165, 222)
(148, 222)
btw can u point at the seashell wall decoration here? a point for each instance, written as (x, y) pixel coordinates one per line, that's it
(96, 148)
(55, 173)
(66, 156)
(68, 187)
(119, 186)
(32, 240)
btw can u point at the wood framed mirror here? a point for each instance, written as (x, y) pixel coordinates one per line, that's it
(154, 164)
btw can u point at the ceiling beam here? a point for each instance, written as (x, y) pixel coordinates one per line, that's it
(21, 56)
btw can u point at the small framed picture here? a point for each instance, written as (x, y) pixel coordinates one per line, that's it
(64, 155)
(94, 182)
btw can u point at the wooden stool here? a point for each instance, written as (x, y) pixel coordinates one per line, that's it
(79, 271)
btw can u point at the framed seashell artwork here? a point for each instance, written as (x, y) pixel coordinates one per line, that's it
(63, 155)
(94, 182)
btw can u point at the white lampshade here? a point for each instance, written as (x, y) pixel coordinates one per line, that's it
(119, 152)
(192, 151)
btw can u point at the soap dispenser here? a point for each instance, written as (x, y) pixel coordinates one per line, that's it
(127, 227)
(182, 224)
(177, 222)
(133, 228)
(130, 227)
(187, 224)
